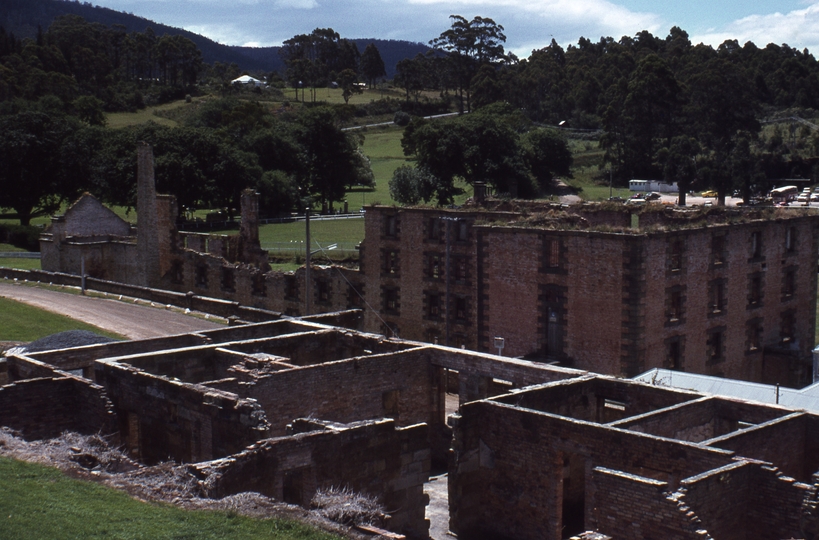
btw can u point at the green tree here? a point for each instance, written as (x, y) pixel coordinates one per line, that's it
(405, 185)
(547, 155)
(372, 66)
(483, 146)
(32, 178)
(90, 110)
(329, 156)
(312, 58)
(469, 45)
(278, 193)
(348, 82)
(679, 163)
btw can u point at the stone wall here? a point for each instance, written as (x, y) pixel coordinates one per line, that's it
(518, 490)
(163, 418)
(375, 458)
(632, 506)
(43, 408)
(746, 500)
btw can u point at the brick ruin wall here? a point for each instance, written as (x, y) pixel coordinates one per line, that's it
(526, 479)
(379, 459)
(43, 408)
(633, 506)
(161, 418)
(735, 502)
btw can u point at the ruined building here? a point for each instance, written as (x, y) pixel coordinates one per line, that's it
(600, 287)
(535, 451)
(607, 288)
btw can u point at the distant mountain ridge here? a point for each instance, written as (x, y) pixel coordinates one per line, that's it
(22, 17)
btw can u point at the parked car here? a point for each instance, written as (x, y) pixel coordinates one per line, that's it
(709, 193)
(814, 197)
(803, 198)
(652, 196)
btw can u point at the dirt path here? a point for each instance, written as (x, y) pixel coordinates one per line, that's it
(125, 318)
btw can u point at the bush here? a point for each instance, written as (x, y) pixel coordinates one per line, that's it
(401, 118)
(27, 238)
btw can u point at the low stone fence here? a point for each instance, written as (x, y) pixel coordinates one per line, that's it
(213, 306)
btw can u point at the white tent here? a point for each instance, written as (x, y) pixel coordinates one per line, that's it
(248, 81)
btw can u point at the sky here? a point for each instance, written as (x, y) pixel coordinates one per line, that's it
(528, 24)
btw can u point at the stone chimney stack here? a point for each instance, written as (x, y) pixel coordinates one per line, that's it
(479, 192)
(147, 226)
(250, 249)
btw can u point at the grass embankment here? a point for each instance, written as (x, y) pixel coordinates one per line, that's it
(21, 322)
(42, 503)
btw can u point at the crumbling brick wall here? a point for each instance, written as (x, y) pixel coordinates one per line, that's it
(517, 490)
(43, 408)
(162, 418)
(375, 458)
(746, 500)
(631, 506)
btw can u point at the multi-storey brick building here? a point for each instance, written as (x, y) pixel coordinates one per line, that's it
(606, 288)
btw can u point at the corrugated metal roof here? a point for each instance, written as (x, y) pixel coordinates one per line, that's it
(807, 398)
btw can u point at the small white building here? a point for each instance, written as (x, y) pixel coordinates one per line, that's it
(652, 185)
(247, 80)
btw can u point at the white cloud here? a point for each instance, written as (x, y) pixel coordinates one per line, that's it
(297, 4)
(798, 28)
(531, 25)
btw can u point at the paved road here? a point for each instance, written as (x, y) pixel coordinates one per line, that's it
(124, 318)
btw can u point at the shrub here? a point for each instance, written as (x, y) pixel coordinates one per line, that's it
(401, 118)
(27, 238)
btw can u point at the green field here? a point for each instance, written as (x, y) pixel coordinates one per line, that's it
(42, 503)
(21, 322)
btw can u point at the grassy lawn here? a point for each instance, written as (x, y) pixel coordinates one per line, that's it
(20, 264)
(125, 119)
(14, 262)
(40, 502)
(383, 146)
(21, 322)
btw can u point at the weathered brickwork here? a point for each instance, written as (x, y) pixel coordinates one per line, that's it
(608, 289)
(730, 294)
(587, 456)
(42, 408)
(293, 468)
(536, 451)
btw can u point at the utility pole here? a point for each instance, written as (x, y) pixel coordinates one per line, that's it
(610, 187)
(446, 276)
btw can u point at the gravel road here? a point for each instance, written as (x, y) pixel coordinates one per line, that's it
(124, 318)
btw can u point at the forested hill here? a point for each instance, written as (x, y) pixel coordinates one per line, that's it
(22, 18)
(391, 51)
